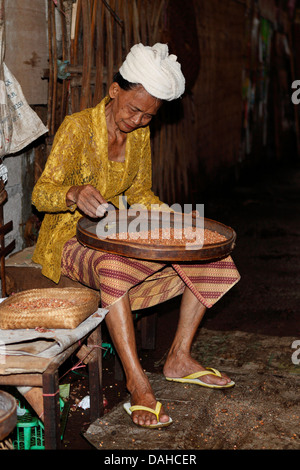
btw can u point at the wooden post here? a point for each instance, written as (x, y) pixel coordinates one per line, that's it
(51, 408)
(95, 374)
(148, 331)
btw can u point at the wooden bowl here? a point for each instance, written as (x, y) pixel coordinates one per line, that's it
(8, 414)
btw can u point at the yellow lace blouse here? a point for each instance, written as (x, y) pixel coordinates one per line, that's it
(79, 155)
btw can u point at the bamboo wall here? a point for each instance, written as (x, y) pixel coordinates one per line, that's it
(218, 90)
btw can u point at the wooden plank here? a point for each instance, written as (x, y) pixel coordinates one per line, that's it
(85, 100)
(99, 55)
(21, 380)
(95, 375)
(23, 364)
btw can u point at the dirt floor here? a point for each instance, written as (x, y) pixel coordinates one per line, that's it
(260, 412)
(248, 334)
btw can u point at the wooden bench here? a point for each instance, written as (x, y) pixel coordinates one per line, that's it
(34, 371)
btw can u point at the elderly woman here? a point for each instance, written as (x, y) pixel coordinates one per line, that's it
(98, 155)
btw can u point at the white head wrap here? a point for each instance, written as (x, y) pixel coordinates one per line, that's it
(157, 71)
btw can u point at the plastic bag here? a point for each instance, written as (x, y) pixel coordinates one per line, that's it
(19, 124)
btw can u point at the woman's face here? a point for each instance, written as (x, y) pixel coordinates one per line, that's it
(132, 108)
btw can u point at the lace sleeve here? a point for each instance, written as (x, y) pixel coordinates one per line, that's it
(61, 169)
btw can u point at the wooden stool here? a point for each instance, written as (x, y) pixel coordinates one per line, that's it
(34, 371)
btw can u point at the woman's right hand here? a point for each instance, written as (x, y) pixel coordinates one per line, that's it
(88, 200)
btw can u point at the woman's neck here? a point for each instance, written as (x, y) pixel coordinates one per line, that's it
(116, 138)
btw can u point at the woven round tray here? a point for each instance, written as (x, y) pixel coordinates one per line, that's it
(87, 234)
(48, 308)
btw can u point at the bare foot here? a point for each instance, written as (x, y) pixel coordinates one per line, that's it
(178, 366)
(142, 394)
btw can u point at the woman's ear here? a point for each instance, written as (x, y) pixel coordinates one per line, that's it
(114, 90)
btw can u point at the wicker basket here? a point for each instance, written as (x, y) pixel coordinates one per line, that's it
(48, 308)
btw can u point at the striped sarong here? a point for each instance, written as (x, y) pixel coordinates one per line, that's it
(148, 283)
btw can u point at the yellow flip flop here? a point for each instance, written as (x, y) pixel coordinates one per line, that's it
(194, 379)
(130, 409)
